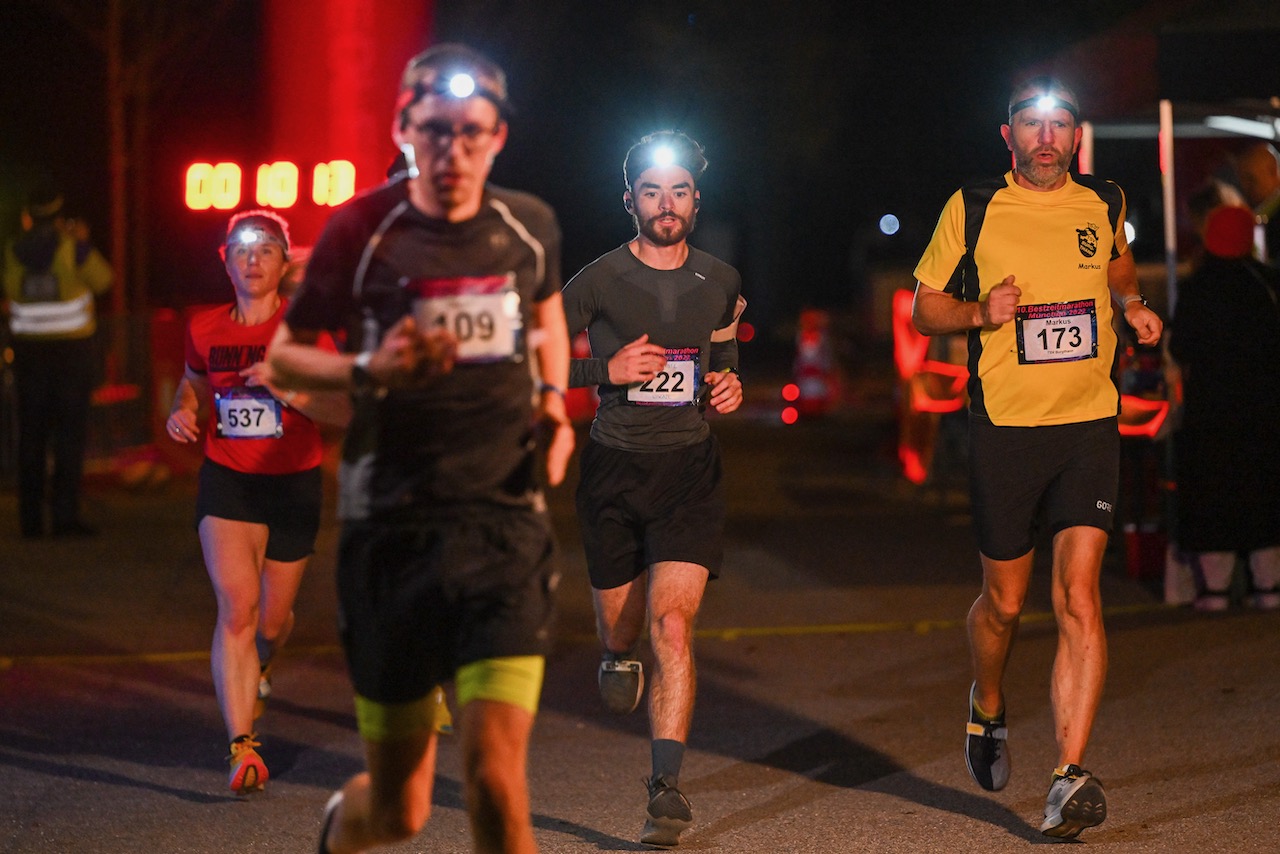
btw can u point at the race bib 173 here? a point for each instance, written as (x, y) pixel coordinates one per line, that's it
(1057, 332)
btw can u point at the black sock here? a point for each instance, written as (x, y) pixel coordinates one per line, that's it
(668, 755)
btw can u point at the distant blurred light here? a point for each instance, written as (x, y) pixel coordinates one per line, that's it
(1129, 231)
(664, 155)
(889, 224)
(791, 392)
(1246, 127)
(746, 332)
(461, 85)
(790, 415)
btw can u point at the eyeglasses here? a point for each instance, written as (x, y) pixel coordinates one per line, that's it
(439, 134)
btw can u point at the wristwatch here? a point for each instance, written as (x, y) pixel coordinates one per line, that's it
(361, 379)
(1124, 303)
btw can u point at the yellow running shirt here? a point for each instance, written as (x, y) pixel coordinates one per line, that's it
(1053, 363)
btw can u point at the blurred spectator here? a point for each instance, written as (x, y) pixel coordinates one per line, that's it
(1258, 171)
(1211, 194)
(1226, 340)
(51, 276)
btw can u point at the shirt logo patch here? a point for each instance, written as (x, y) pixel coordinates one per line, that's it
(1087, 239)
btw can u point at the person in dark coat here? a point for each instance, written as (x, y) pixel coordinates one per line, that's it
(1226, 341)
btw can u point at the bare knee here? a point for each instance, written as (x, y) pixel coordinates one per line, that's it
(1001, 609)
(671, 633)
(238, 618)
(1077, 605)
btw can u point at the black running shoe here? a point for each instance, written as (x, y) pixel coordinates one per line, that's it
(1076, 801)
(669, 814)
(986, 750)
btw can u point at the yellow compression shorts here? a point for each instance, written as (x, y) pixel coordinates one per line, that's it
(516, 680)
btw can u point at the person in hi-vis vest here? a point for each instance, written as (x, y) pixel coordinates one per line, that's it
(51, 276)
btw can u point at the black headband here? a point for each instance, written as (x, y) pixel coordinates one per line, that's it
(1054, 101)
(440, 86)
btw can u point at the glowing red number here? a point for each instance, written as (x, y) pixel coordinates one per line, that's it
(277, 184)
(213, 185)
(333, 182)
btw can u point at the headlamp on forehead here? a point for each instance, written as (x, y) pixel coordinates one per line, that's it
(1044, 102)
(462, 85)
(662, 149)
(458, 85)
(664, 155)
(253, 236)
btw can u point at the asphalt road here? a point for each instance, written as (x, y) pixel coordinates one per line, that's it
(833, 683)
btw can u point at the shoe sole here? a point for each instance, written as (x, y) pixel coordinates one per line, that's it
(968, 763)
(664, 832)
(621, 686)
(1085, 807)
(250, 778)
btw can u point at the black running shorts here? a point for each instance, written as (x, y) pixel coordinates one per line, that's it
(288, 504)
(1063, 474)
(420, 599)
(637, 509)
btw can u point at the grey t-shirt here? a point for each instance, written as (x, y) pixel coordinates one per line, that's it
(617, 298)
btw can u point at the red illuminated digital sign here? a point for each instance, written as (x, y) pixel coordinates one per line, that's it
(220, 186)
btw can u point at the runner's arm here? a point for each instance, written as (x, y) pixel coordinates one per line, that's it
(183, 423)
(1122, 279)
(553, 367)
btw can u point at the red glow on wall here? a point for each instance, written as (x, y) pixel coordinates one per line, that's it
(332, 70)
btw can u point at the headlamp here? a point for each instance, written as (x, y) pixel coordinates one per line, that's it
(462, 85)
(1044, 102)
(252, 235)
(664, 155)
(458, 85)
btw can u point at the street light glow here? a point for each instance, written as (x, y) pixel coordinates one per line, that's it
(889, 224)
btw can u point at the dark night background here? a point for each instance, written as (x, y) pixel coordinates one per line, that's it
(817, 117)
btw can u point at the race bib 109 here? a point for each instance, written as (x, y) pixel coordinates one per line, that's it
(483, 313)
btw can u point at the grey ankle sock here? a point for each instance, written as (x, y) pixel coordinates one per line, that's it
(668, 756)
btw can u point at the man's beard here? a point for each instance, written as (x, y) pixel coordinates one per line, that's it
(663, 236)
(1042, 175)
